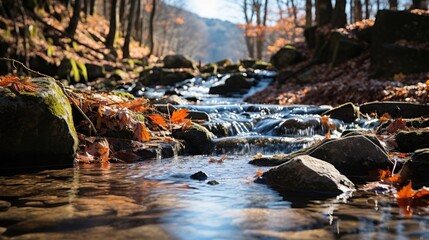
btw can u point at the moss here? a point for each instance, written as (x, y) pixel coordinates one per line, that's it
(124, 95)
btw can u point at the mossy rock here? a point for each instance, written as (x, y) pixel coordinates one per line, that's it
(37, 128)
(198, 139)
(286, 56)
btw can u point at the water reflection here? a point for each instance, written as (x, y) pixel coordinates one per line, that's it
(158, 200)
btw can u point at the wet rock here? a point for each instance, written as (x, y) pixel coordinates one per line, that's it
(178, 61)
(234, 68)
(372, 137)
(172, 99)
(198, 116)
(164, 76)
(301, 127)
(286, 56)
(212, 182)
(224, 62)
(351, 155)
(201, 176)
(346, 112)
(409, 141)
(132, 151)
(260, 65)
(417, 167)
(354, 155)
(198, 139)
(41, 131)
(234, 84)
(165, 108)
(305, 234)
(388, 55)
(220, 129)
(395, 109)
(247, 63)
(210, 68)
(308, 174)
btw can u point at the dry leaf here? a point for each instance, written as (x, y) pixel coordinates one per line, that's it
(158, 119)
(179, 116)
(141, 132)
(398, 124)
(258, 173)
(385, 117)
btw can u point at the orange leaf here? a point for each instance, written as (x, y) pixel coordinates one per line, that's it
(385, 117)
(142, 133)
(406, 192)
(424, 191)
(258, 173)
(179, 116)
(103, 150)
(136, 105)
(324, 120)
(384, 174)
(158, 119)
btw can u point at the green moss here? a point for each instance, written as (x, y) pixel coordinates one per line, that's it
(124, 95)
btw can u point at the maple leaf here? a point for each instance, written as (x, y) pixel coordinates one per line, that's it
(179, 116)
(385, 117)
(141, 132)
(158, 119)
(408, 192)
(19, 85)
(384, 174)
(136, 105)
(103, 150)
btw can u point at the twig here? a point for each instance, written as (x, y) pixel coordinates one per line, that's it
(60, 84)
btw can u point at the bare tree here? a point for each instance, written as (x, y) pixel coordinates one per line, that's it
(339, 18)
(74, 21)
(308, 13)
(358, 16)
(151, 28)
(110, 39)
(323, 12)
(393, 4)
(126, 47)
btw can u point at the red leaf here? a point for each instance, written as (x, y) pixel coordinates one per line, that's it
(158, 119)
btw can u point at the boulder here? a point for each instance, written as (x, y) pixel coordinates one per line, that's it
(200, 175)
(198, 139)
(395, 109)
(338, 48)
(310, 35)
(298, 126)
(409, 141)
(351, 155)
(285, 57)
(233, 68)
(417, 167)
(178, 61)
(198, 116)
(260, 65)
(210, 68)
(233, 84)
(37, 127)
(346, 112)
(308, 174)
(172, 99)
(388, 55)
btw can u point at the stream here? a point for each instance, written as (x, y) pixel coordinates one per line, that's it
(157, 199)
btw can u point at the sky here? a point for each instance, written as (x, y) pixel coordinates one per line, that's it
(221, 9)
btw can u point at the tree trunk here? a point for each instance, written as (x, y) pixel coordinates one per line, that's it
(358, 10)
(126, 47)
(24, 18)
(151, 27)
(250, 47)
(366, 9)
(86, 4)
(91, 7)
(122, 6)
(323, 12)
(74, 21)
(308, 13)
(351, 11)
(110, 39)
(339, 18)
(419, 4)
(393, 4)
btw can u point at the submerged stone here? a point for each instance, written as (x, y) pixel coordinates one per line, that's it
(307, 174)
(37, 128)
(199, 176)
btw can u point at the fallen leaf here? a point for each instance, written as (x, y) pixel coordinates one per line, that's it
(158, 119)
(398, 124)
(385, 117)
(179, 116)
(258, 173)
(141, 132)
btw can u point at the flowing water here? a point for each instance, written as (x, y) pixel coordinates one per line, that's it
(157, 199)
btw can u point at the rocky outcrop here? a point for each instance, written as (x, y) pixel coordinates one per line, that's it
(338, 48)
(37, 127)
(308, 174)
(388, 53)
